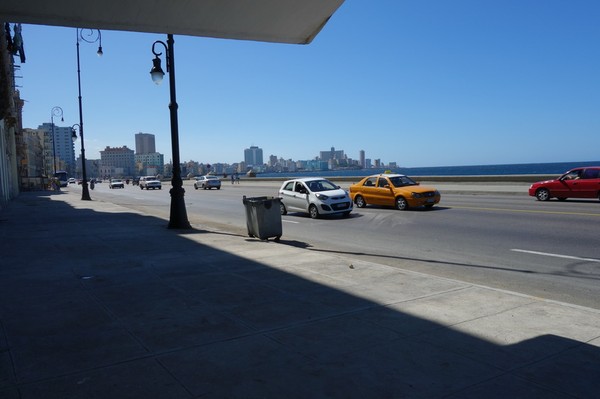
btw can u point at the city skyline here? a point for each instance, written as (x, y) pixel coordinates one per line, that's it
(422, 84)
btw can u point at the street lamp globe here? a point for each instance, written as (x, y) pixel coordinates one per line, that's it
(157, 72)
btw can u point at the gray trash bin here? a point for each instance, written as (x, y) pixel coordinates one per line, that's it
(263, 217)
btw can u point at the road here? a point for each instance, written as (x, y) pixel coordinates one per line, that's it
(513, 242)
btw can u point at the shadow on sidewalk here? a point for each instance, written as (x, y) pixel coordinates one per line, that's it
(110, 304)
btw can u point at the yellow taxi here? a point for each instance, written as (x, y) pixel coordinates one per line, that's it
(395, 190)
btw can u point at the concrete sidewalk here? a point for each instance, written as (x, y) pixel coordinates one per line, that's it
(98, 301)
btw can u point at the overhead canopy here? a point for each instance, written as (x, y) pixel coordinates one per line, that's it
(281, 21)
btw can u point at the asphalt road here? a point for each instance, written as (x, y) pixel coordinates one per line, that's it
(513, 242)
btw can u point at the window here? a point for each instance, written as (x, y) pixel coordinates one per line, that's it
(591, 174)
(370, 182)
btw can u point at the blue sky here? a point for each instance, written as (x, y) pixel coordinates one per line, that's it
(420, 83)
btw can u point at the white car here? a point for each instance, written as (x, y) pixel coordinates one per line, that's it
(150, 182)
(315, 196)
(207, 182)
(116, 183)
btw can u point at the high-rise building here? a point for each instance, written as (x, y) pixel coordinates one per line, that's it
(331, 155)
(120, 160)
(62, 147)
(144, 143)
(362, 159)
(253, 157)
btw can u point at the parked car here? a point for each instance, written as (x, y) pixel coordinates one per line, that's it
(576, 183)
(315, 196)
(150, 182)
(72, 180)
(207, 182)
(395, 190)
(116, 183)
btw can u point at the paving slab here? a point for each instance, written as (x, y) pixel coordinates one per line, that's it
(85, 314)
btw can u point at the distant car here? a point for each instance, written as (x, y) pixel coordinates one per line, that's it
(576, 183)
(116, 183)
(395, 190)
(315, 196)
(150, 182)
(72, 180)
(207, 182)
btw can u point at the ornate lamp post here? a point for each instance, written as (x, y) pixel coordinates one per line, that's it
(56, 111)
(88, 36)
(178, 217)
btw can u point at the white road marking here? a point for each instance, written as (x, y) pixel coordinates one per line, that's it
(289, 221)
(556, 255)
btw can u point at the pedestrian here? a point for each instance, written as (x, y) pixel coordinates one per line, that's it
(232, 177)
(237, 178)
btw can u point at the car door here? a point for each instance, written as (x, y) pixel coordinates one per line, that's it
(567, 185)
(588, 185)
(300, 197)
(292, 196)
(385, 193)
(369, 191)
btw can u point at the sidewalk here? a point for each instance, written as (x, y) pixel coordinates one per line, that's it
(97, 301)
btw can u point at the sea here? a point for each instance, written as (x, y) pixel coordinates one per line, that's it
(555, 168)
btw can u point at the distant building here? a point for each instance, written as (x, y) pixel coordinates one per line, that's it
(145, 143)
(253, 158)
(362, 159)
(149, 164)
(32, 157)
(332, 154)
(316, 165)
(62, 147)
(120, 160)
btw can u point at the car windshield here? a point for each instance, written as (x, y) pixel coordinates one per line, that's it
(116, 181)
(401, 181)
(321, 185)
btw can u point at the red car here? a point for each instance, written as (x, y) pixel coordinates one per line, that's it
(576, 183)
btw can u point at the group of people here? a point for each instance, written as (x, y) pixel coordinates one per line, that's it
(235, 178)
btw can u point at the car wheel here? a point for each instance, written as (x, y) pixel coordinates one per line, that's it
(282, 209)
(218, 188)
(195, 187)
(313, 211)
(542, 194)
(401, 204)
(141, 187)
(360, 201)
